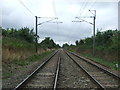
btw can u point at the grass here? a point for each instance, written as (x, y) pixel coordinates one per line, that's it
(31, 59)
(110, 64)
(7, 75)
(17, 43)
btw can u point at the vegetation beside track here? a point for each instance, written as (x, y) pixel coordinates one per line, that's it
(32, 59)
(8, 69)
(107, 47)
(18, 49)
(102, 61)
(20, 44)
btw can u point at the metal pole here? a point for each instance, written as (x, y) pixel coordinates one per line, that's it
(94, 36)
(36, 34)
(94, 33)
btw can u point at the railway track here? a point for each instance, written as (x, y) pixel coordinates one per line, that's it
(104, 78)
(45, 76)
(71, 77)
(68, 70)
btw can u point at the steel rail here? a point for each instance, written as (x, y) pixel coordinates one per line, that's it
(109, 72)
(29, 77)
(57, 74)
(100, 85)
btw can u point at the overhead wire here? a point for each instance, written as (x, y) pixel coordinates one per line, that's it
(26, 7)
(91, 7)
(54, 8)
(83, 7)
(93, 4)
(46, 21)
(90, 3)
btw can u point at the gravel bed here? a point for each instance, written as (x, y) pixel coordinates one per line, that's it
(71, 76)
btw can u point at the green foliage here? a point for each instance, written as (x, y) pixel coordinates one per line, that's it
(17, 43)
(77, 42)
(107, 47)
(23, 34)
(81, 42)
(49, 43)
(7, 75)
(24, 38)
(21, 63)
(107, 40)
(65, 45)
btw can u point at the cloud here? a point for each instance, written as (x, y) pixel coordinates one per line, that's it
(15, 15)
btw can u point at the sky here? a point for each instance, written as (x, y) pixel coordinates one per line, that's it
(21, 13)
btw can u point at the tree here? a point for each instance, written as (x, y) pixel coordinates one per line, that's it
(88, 41)
(23, 33)
(65, 45)
(76, 42)
(48, 43)
(81, 42)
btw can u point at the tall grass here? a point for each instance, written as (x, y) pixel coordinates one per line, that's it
(13, 48)
(17, 43)
(31, 59)
(21, 63)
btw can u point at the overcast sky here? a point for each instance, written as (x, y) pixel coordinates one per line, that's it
(15, 15)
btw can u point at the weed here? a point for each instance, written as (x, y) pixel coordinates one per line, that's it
(21, 63)
(7, 75)
(17, 43)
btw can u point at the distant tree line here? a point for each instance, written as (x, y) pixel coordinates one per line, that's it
(29, 36)
(23, 33)
(107, 40)
(103, 40)
(49, 43)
